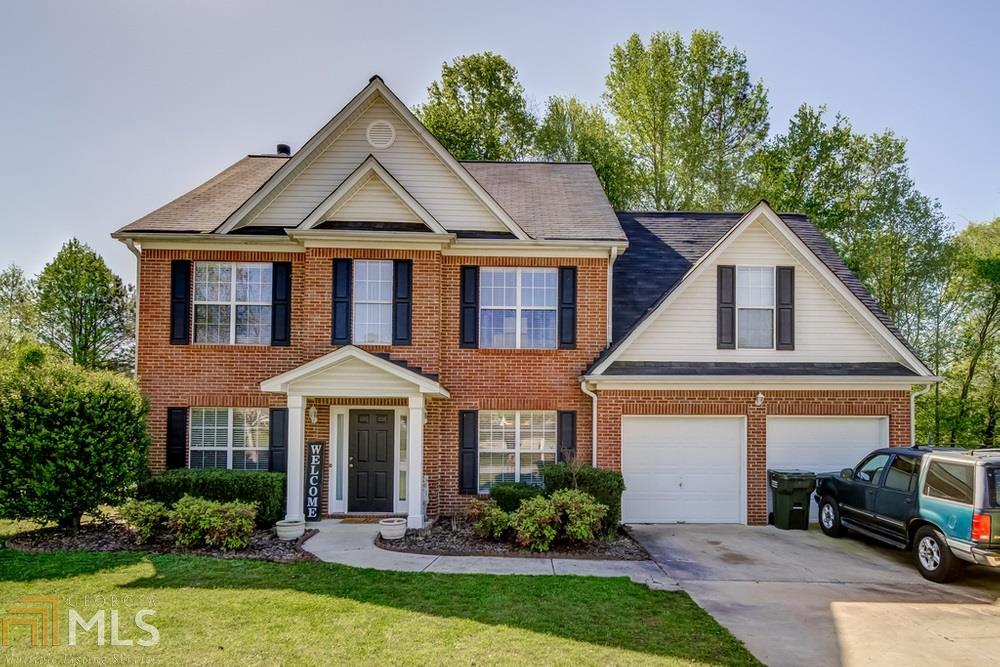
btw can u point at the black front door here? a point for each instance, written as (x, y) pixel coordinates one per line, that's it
(370, 457)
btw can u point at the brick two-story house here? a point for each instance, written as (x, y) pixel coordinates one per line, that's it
(425, 327)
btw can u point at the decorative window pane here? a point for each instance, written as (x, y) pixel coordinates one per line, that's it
(517, 308)
(237, 438)
(755, 307)
(232, 302)
(373, 302)
(512, 444)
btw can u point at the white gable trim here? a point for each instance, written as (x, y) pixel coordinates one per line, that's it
(371, 167)
(305, 155)
(765, 212)
(284, 383)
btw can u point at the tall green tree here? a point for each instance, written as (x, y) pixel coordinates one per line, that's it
(692, 116)
(85, 310)
(574, 131)
(18, 314)
(478, 110)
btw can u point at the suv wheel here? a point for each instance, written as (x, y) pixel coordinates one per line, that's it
(934, 557)
(829, 517)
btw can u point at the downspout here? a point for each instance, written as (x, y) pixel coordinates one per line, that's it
(913, 411)
(593, 422)
(130, 244)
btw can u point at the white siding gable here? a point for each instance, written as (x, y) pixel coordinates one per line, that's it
(373, 201)
(408, 159)
(353, 377)
(825, 330)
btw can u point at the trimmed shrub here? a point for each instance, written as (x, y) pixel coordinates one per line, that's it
(70, 439)
(145, 517)
(489, 521)
(508, 495)
(535, 523)
(580, 515)
(264, 489)
(606, 486)
(197, 522)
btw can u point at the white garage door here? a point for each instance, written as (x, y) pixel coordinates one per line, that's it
(822, 444)
(683, 469)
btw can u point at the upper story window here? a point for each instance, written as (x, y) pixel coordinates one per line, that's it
(372, 302)
(517, 308)
(755, 307)
(232, 303)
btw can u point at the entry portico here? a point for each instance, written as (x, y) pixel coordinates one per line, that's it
(352, 373)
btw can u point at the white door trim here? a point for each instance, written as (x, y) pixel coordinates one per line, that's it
(335, 506)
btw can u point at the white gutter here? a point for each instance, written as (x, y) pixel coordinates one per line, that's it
(913, 411)
(130, 244)
(649, 381)
(593, 423)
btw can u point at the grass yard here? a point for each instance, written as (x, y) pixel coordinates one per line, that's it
(210, 611)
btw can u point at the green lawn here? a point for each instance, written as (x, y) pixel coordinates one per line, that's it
(211, 611)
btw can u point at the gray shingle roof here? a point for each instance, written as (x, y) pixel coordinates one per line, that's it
(551, 200)
(664, 245)
(208, 205)
(717, 368)
(548, 200)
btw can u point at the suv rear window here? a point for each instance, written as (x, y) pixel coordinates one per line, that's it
(950, 481)
(992, 473)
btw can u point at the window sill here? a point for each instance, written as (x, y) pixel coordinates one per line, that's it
(507, 351)
(238, 346)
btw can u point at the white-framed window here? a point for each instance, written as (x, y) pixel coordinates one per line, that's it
(517, 308)
(235, 438)
(512, 444)
(372, 316)
(755, 290)
(232, 303)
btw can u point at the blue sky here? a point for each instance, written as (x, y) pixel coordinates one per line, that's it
(110, 109)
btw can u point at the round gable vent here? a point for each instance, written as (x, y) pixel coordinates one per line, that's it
(381, 134)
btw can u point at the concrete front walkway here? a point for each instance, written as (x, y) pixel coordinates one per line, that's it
(354, 544)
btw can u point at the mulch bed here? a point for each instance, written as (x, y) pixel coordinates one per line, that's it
(454, 537)
(113, 536)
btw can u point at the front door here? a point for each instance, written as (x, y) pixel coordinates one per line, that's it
(369, 463)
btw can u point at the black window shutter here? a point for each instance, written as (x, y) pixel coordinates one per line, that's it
(468, 451)
(469, 297)
(726, 318)
(567, 307)
(180, 302)
(177, 437)
(566, 436)
(340, 330)
(281, 304)
(402, 301)
(785, 302)
(279, 440)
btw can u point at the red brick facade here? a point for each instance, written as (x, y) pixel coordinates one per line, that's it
(615, 404)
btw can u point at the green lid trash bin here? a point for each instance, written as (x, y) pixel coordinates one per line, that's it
(790, 494)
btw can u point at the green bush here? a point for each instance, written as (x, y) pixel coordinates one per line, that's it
(606, 486)
(197, 522)
(580, 516)
(145, 517)
(508, 495)
(265, 489)
(70, 439)
(535, 523)
(489, 521)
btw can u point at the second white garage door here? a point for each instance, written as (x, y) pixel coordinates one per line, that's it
(683, 469)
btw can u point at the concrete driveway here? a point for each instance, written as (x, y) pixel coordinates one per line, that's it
(801, 598)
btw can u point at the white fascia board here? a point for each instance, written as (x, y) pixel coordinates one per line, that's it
(782, 382)
(198, 241)
(305, 155)
(280, 383)
(332, 238)
(541, 248)
(371, 167)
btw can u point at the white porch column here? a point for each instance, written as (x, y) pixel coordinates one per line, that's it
(415, 471)
(294, 499)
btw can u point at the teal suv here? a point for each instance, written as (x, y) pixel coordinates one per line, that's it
(943, 504)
